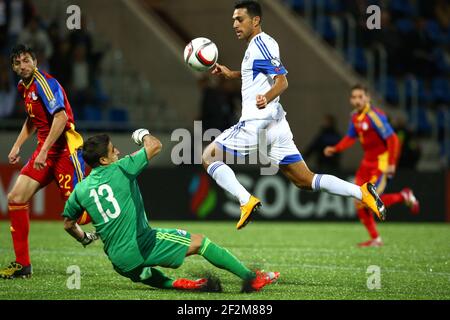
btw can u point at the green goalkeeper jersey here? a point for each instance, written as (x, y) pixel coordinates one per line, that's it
(111, 196)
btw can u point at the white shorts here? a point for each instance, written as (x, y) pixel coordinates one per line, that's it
(276, 140)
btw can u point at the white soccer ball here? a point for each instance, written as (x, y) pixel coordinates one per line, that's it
(201, 54)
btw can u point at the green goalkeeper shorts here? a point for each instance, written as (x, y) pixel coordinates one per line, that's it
(170, 248)
(169, 251)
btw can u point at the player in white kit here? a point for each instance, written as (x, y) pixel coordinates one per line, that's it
(263, 81)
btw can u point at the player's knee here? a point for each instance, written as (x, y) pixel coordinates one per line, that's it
(208, 155)
(196, 242)
(14, 197)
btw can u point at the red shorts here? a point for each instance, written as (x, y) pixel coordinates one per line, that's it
(373, 172)
(65, 170)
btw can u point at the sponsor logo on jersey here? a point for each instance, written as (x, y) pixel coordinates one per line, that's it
(34, 96)
(181, 232)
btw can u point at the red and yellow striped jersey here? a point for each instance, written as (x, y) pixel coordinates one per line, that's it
(43, 97)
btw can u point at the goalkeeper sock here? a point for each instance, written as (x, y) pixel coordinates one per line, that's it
(334, 185)
(226, 178)
(155, 278)
(223, 259)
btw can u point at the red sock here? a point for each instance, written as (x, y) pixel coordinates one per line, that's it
(366, 218)
(392, 198)
(20, 227)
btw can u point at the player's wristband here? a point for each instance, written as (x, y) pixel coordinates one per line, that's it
(88, 238)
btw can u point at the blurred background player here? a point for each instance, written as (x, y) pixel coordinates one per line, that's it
(112, 197)
(381, 152)
(56, 157)
(263, 81)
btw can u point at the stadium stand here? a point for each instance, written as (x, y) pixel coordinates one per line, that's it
(407, 60)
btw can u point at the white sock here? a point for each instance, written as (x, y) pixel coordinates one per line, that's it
(226, 178)
(334, 185)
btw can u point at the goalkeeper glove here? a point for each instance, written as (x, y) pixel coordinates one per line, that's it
(139, 135)
(88, 238)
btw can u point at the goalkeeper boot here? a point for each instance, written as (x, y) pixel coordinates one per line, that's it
(247, 209)
(371, 199)
(16, 270)
(187, 284)
(261, 280)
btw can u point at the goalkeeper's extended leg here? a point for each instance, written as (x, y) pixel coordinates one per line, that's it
(224, 259)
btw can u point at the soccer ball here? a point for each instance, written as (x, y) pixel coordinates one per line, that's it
(201, 54)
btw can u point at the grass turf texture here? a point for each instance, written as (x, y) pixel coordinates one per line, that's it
(316, 261)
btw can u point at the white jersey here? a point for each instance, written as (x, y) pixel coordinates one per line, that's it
(260, 65)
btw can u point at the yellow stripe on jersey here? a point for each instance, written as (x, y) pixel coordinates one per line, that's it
(75, 142)
(363, 112)
(383, 161)
(77, 166)
(79, 169)
(74, 139)
(376, 119)
(45, 86)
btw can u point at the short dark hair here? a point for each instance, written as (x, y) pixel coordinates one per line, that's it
(253, 7)
(360, 86)
(94, 148)
(19, 49)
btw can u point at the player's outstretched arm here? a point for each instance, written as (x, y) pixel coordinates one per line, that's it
(221, 70)
(27, 131)
(342, 145)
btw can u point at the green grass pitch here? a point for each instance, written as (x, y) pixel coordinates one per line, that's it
(316, 261)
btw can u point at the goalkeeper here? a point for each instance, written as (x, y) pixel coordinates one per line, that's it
(111, 196)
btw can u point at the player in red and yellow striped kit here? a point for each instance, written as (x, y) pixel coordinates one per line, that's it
(381, 151)
(56, 157)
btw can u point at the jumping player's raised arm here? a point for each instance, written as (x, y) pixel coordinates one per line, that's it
(221, 70)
